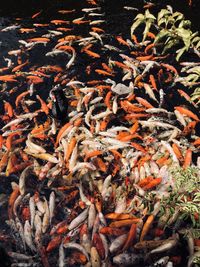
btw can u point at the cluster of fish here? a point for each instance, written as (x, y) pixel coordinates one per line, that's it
(89, 132)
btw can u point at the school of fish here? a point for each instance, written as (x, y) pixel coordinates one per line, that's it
(88, 137)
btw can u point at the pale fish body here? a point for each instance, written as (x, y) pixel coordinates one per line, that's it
(40, 206)
(147, 169)
(95, 259)
(32, 210)
(28, 236)
(96, 14)
(96, 225)
(117, 243)
(20, 229)
(157, 110)
(97, 127)
(127, 259)
(142, 172)
(141, 192)
(28, 115)
(83, 165)
(46, 217)
(106, 184)
(44, 170)
(169, 264)
(153, 124)
(22, 179)
(113, 48)
(51, 205)
(71, 61)
(86, 242)
(83, 197)
(108, 193)
(96, 36)
(88, 133)
(108, 134)
(105, 244)
(54, 53)
(119, 128)
(156, 208)
(91, 9)
(88, 115)
(136, 175)
(20, 256)
(65, 146)
(171, 151)
(165, 247)
(73, 245)
(61, 258)
(77, 116)
(16, 204)
(164, 173)
(120, 205)
(150, 92)
(44, 156)
(101, 115)
(180, 117)
(38, 228)
(66, 132)
(78, 220)
(162, 261)
(102, 219)
(115, 105)
(127, 76)
(97, 22)
(154, 168)
(73, 158)
(71, 133)
(73, 233)
(114, 142)
(91, 216)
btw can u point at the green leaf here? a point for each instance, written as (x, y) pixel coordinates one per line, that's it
(162, 14)
(195, 70)
(148, 15)
(162, 34)
(198, 45)
(180, 53)
(139, 16)
(185, 36)
(161, 21)
(185, 24)
(178, 16)
(170, 44)
(194, 34)
(135, 25)
(183, 32)
(195, 39)
(170, 20)
(146, 30)
(192, 78)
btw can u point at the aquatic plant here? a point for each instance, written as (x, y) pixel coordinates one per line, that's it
(196, 96)
(185, 179)
(191, 79)
(184, 199)
(148, 19)
(171, 30)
